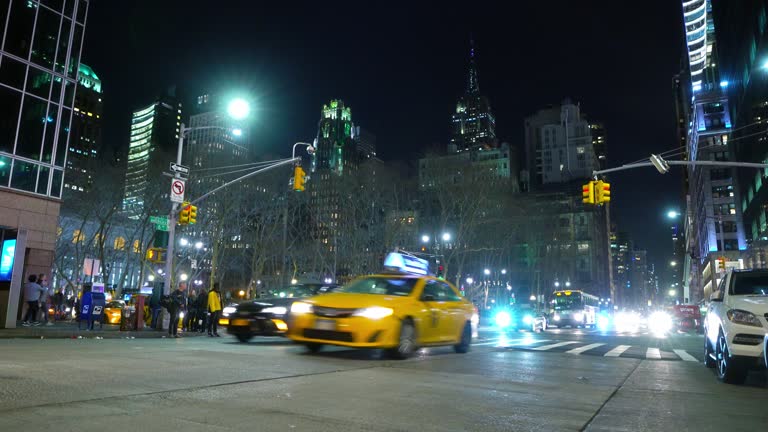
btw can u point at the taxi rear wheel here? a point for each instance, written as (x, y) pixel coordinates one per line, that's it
(245, 337)
(407, 341)
(466, 340)
(313, 347)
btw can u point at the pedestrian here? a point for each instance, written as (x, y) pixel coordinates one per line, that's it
(45, 297)
(58, 304)
(214, 307)
(32, 293)
(178, 302)
(190, 316)
(156, 308)
(202, 311)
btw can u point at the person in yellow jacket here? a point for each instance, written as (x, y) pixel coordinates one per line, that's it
(214, 308)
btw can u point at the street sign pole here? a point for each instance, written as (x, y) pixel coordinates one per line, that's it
(172, 223)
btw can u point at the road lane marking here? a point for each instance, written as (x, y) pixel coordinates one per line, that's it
(619, 350)
(684, 355)
(554, 345)
(653, 353)
(525, 342)
(580, 350)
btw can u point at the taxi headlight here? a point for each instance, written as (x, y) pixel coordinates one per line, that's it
(301, 308)
(375, 312)
(503, 319)
(229, 310)
(277, 310)
(528, 319)
(738, 316)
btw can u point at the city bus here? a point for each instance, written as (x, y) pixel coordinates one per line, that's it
(574, 308)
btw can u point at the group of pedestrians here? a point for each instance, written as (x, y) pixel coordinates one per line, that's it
(201, 311)
(37, 296)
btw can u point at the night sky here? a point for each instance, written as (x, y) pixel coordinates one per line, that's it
(401, 67)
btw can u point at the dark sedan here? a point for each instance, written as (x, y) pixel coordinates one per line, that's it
(268, 316)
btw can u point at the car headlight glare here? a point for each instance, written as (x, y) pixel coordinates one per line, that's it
(503, 319)
(528, 319)
(229, 310)
(301, 308)
(660, 322)
(738, 316)
(277, 310)
(375, 312)
(557, 317)
(578, 317)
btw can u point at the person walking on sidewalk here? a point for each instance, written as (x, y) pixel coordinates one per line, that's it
(214, 307)
(45, 297)
(178, 301)
(202, 311)
(190, 316)
(32, 293)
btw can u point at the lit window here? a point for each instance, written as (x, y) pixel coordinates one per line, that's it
(78, 237)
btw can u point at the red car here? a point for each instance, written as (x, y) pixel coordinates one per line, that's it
(687, 318)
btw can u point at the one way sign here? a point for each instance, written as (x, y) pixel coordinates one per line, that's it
(181, 169)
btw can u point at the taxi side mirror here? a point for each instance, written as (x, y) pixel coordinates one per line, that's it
(716, 297)
(427, 298)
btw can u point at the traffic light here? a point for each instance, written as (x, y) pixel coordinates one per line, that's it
(721, 264)
(440, 272)
(588, 193)
(192, 214)
(184, 214)
(155, 255)
(603, 192)
(298, 178)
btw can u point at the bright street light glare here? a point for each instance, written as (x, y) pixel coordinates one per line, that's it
(184, 277)
(425, 238)
(237, 132)
(199, 245)
(487, 271)
(446, 237)
(150, 278)
(470, 280)
(503, 271)
(557, 284)
(567, 283)
(672, 214)
(184, 242)
(532, 298)
(238, 109)
(672, 293)
(673, 263)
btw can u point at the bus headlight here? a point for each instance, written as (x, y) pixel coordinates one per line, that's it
(578, 317)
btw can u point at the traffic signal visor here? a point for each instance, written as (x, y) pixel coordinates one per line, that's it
(192, 214)
(184, 214)
(603, 192)
(588, 193)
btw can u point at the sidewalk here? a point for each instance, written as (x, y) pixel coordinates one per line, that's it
(69, 330)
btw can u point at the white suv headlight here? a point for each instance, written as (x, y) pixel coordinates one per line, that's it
(738, 316)
(277, 310)
(229, 310)
(375, 312)
(301, 308)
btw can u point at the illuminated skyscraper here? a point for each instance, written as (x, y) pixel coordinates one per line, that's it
(85, 144)
(335, 147)
(153, 142)
(473, 124)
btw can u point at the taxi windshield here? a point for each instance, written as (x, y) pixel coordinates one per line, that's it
(297, 291)
(381, 286)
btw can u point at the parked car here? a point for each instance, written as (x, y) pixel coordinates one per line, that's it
(736, 325)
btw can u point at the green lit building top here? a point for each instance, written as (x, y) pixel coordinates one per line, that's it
(335, 147)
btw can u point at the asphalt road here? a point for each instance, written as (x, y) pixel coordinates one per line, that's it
(552, 381)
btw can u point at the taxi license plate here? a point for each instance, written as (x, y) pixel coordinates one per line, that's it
(322, 324)
(240, 322)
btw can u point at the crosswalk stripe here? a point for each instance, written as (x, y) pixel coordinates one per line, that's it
(527, 342)
(554, 345)
(684, 355)
(580, 350)
(653, 353)
(619, 350)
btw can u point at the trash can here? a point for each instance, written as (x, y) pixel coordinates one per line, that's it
(127, 320)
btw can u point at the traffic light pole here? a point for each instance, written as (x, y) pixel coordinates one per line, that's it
(686, 163)
(172, 221)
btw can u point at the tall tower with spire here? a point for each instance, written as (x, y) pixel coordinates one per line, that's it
(473, 125)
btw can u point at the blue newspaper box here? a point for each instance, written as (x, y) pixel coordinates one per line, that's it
(92, 309)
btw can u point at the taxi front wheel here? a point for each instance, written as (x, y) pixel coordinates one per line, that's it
(313, 347)
(406, 345)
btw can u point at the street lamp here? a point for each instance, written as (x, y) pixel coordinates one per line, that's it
(557, 284)
(238, 109)
(470, 280)
(672, 214)
(294, 281)
(487, 272)
(151, 278)
(184, 242)
(199, 245)
(183, 277)
(446, 237)
(503, 271)
(567, 283)
(673, 263)
(532, 298)
(425, 238)
(672, 293)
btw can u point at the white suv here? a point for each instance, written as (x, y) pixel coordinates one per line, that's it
(736, 325)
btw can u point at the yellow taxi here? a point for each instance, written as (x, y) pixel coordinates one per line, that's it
(112, 311)
(398, 311)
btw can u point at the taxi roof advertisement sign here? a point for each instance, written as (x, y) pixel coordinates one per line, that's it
(407, 263)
